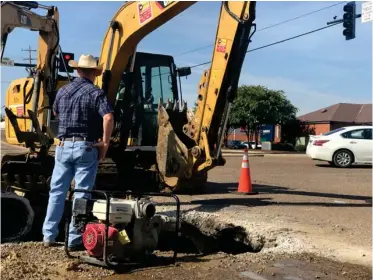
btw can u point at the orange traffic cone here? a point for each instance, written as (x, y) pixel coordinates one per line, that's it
(245, 186)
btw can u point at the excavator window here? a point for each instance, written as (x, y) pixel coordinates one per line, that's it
(158, 79)
(156, 85)
(153, 77)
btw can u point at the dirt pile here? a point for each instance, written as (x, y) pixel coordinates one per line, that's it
(31, 260)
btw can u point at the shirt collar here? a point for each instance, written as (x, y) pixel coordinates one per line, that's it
(81, 79)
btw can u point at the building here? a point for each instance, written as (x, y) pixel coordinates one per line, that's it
(338, 115)
(323, 120)
(273, 131)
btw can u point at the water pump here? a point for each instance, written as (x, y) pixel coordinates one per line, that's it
(120, 230)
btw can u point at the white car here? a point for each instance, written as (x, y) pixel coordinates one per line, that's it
(252, 145)
(343, 146)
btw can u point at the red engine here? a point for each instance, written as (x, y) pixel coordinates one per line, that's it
(93, 239)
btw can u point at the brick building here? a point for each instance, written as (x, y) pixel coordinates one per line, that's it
(240, 135)
(338, 115)
(323, 120)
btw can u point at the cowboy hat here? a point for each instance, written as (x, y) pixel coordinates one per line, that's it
(85, 61)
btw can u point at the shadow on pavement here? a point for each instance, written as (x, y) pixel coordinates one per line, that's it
(232, 187)
(357, 166)
(255, 200)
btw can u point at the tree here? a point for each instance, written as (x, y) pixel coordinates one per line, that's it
(257, 105)
(294, 129)
(195, 107)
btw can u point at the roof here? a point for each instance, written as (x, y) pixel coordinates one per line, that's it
(341, 112)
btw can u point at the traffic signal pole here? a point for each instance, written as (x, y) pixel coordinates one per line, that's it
(349, 18)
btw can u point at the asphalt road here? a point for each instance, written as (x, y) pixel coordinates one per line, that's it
(302, 206)
(326, 210)
(294, 188)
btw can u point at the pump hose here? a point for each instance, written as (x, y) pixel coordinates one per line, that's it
(17, 217)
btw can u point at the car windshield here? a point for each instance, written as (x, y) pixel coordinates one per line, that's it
(333, 131)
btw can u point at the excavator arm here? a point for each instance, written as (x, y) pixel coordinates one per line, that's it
(188, 144)
(183, 161)
(32, 93)
(132, 22)
(19, 15)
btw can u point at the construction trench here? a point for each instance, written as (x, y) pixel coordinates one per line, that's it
(208, 236)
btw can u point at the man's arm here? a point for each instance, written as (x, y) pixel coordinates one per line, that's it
(106, 112)
(108, 125)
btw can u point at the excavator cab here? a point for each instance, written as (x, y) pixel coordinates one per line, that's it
(151, 79)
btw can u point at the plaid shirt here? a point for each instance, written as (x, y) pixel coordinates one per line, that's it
(80, 106)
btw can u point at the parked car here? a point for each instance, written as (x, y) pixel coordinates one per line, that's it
(343, 146)
(252, 145)
(235, 144)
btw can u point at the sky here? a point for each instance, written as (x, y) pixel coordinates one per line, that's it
(314, 71)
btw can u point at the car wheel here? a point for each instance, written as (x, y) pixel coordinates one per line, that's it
(343, 158)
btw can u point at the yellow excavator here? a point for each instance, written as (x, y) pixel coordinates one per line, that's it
(157, 140)
(156, 133)
(29, 121)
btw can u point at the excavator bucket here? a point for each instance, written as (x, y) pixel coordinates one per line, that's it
(172, 154)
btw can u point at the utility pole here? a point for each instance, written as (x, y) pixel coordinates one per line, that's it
(29, 50)
(30, 59)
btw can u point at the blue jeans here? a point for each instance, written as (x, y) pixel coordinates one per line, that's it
(78, 160)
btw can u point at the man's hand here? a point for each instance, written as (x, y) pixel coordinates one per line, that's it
(102, 149)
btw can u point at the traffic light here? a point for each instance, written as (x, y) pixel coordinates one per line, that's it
(64, 62)
(349, 20)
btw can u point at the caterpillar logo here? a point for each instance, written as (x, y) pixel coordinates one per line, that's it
(24, 19)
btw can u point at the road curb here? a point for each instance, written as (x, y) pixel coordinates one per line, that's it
(265, 155)
(241, 155)
(286, 155)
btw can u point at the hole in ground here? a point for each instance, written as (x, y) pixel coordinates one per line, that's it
(216, 238)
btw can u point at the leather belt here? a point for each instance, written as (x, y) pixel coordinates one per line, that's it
(75, 138)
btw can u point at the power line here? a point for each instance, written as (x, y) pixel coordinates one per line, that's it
(278, 42)
(270, 26)
(304, 15)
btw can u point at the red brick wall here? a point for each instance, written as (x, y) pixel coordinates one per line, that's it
(238, 135)
(319, 128)
(241, 136)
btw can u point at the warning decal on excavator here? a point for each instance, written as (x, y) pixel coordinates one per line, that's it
(17, 109)
(163, 4)
(222, 45)
(145, 11)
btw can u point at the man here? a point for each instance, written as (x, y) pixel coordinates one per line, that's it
(80, 106)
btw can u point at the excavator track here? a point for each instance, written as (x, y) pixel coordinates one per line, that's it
(25, 187)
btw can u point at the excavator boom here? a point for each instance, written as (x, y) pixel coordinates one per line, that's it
(133, 21)
(182, 159)
(19, 15)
